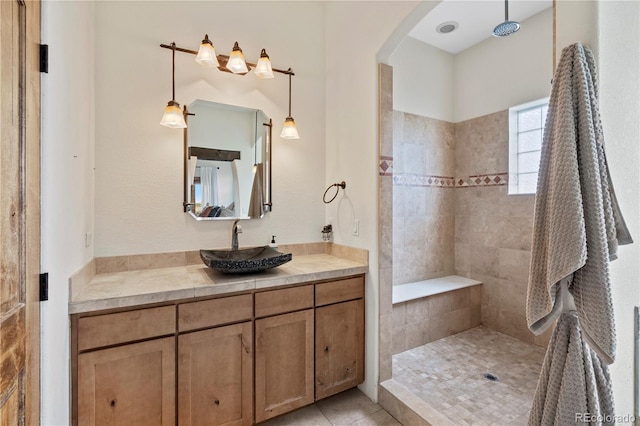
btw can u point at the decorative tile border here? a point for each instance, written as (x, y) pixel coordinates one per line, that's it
(410, 179)
(386, 166)
(497, 179)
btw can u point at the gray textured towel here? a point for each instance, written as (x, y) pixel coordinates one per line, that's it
(574, 385)
(577, 222)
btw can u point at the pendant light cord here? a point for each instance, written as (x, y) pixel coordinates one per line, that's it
(289, 92)
(173, 71)
(506, 10)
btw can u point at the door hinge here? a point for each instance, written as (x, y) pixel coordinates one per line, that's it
(44, 58)
(44, 286)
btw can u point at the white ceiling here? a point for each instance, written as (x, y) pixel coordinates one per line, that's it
(476, 20)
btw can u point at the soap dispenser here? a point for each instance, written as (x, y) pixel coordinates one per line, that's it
(273, 244)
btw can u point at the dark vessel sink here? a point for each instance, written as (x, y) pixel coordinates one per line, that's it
(244, 260)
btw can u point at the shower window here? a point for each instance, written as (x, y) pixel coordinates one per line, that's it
(526, 127)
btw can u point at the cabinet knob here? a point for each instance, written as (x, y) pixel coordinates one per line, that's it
(112, 403)
(217, 402)
(326, 348)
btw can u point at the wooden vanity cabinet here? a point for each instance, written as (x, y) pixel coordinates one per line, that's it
(131, 383)
(215, 365)
(339, 339)
(231, 360)
(284, 351)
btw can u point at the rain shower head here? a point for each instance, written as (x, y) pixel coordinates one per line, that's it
(507, 27)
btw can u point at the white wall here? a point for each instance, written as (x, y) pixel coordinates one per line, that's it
(355, 32)
(499, 73)
(67, 185)
(139, 163)
(619, 66)
(423, 80)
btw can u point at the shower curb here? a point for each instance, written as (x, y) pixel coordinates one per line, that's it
(407, 408)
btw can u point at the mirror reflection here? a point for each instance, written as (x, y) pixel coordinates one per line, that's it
(227, 161)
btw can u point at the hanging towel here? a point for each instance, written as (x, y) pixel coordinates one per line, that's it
(577, 222)
(256, 204)
(574, 385)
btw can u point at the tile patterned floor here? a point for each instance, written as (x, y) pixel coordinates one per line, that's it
(351, 407)
(449, 375)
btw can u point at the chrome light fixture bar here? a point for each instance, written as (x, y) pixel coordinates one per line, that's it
(173, 117)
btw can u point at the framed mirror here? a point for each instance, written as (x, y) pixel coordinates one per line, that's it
(227, 162)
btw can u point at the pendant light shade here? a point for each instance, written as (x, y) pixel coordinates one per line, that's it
(237, 64)
(289, 130)
(173, 116)
(263, 68)
(207, 54)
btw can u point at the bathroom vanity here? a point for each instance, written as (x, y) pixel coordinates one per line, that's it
(261, 345)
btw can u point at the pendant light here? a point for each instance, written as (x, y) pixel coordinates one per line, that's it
(289, 130)
(207, 54)
(237, 64)
(173, 116)
(263, 68)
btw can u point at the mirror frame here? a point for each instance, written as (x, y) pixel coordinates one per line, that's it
(267, 172)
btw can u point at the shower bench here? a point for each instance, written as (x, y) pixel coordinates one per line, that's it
(429, 310)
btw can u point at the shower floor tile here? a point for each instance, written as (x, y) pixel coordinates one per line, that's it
(449, 374)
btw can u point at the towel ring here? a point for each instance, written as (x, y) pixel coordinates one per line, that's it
(342, 185)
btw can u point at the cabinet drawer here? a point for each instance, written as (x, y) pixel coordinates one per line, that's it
(209, 313)
(286, 300)
(339, 291)
(122, 327)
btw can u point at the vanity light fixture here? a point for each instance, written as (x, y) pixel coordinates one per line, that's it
(289, 130)
(237, 64)
(234, 63)
(263, 68)
(207, 54)
(173, 116)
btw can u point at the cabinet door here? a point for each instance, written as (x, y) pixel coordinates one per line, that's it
(339, 347)
(284, 363)
(215, 376)
(128, 385)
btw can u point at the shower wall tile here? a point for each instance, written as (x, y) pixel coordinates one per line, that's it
(386, 112)
(484, 260)
(385, 285)
(385, 346)
(514, 264)
(482, 145)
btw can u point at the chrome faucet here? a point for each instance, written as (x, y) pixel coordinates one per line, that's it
(235, 230)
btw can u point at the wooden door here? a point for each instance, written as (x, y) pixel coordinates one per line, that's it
(284, 363)
(19, 212)
(129, 385)
(215, 376)
(339, 347)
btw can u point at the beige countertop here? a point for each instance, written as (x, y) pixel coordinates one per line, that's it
(98, 291)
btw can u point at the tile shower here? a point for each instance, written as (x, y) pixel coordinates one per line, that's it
(452, 214)
(444, 210)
